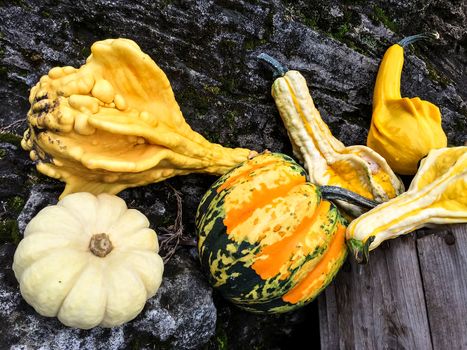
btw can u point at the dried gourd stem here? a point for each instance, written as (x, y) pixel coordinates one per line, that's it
(173, 236)
(279, 70)
(100, 245)
(335, 192)
(413, 38)
(360, 250)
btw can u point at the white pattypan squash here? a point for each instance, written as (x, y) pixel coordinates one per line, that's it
(89, 260)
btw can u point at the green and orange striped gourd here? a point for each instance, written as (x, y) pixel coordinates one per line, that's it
(268, 240)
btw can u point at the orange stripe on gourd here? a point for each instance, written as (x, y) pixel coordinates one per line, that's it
(336, 251)
(259, 198)
(272, 259)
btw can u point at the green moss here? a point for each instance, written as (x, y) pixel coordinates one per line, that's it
(295, 14)
(46, 14)
(230, 118)
(194, 98)
(15, 204)
(435, 76)
(85, 51)
(341, 31)
(212, 89)
(165, 221)
(9, 231)
(144, 340)
(369, 41)
(251, 44)
(221, 339)
(354, 2)
(381, 16)
(10, 138)
(228, 46)
(212, 136)
(336, 28)
(166, 3)
(464, 112)
(310, 22)
(3, 72)
(2, 153)
(229, 84)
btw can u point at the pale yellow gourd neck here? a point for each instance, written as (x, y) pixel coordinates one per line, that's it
(100, 245)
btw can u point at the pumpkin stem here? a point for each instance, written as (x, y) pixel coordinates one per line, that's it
(335, 192)
(278, 69)
(100, 245)
(413, 38)
(359, 249)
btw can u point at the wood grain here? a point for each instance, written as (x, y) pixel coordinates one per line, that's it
(377, 306)
(443, 262)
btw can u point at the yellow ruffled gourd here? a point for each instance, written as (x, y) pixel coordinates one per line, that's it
(437, 195)
(328, 161)
(403, 130)
(114, 123)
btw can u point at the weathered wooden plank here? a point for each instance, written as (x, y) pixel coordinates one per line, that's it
(377, 306)
(443, 262)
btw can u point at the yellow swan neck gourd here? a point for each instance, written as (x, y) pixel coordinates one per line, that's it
(328, 161)
(403, 130)
(437, 195)
(114, 123)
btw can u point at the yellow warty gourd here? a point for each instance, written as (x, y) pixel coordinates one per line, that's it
(114, 123)
(403, 130)
(328, 161)
(437, 195)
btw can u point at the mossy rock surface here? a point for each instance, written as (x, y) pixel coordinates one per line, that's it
(209, 51)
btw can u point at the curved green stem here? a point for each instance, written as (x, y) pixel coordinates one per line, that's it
(413, 38)
(335, 192)
(278, 69)
(359, 249)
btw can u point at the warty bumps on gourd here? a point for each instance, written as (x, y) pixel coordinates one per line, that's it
(114, 123)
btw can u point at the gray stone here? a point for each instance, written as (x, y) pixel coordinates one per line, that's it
(40, 196)
(182, 312)
(209, 51)
(177, 317)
